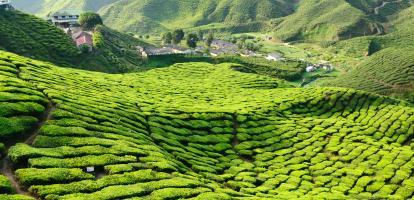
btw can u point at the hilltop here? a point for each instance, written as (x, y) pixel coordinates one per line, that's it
(312, 20)
(197, 130)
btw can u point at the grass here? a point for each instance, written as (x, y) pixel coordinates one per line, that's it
(207, 131)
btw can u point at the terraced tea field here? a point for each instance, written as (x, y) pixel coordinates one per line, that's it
(387, 72)
(197, 131)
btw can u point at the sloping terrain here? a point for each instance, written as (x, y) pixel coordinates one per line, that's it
(203, 131)
(31, 36)
(145, 16)
(325, 20)
(387, 72)
(114, 52)
(310, 20)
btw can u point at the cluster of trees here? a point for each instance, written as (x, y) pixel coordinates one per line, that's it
(192, 39)
(89, 20)
(246, 42)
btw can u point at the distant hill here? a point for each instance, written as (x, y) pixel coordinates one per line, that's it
(43, 7)
(158, 15)
(299, 20)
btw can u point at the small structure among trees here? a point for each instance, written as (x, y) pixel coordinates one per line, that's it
(6, 5)
(83, 40)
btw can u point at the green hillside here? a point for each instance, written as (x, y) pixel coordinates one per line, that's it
(310, 20)
(317, 20)
(145, 16)
(31, 36)
(387, 72)
(201, 131)
(115, 52)
(44, 7)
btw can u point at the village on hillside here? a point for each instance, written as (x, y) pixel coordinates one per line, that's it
(68, 21)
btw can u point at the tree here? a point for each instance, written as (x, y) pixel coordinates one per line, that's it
(167, 38)
(209, 39)
(200, 35)
(89, 20)
(178, 36)
(85, 49)
(192, 40)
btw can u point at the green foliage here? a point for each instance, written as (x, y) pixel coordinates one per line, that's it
(210, 38)
(115, 52)
(31, 176)
(192, 40)
(167, 38)
(5, 186)
(33, 37)
(177, 36)
(386, 72)
(205, 131)
(15, 197)
(90, 20)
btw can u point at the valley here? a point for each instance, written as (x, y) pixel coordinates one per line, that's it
(231, 99)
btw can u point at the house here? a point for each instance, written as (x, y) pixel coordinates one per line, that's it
(6, 5)
(65, 18)
(83, 38)
(274, 57)
(166, 50)
(310, 68)
(220, 44)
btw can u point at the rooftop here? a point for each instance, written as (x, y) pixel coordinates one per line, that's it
(3, 2)
(65, 12)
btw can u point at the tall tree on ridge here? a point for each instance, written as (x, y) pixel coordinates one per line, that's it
(178, 36)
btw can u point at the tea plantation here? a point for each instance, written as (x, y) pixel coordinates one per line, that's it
(197, 131)
(387, 72)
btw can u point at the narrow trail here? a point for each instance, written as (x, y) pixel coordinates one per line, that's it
(7, 166)
(377, 9)
(235, 140)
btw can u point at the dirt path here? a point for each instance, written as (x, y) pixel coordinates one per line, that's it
(235, 140)
(377, 9)
(7, 167)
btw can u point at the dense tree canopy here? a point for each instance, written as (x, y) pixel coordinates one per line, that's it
(178, 36)
(89, 20)
(192, 40)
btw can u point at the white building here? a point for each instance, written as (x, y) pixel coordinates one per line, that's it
(6, 4)
(65, 18)
(274, 57)
(310, 68)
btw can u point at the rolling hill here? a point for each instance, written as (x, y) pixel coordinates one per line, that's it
(310, 20)
(34, 37)
(387, 72)
(28, 35)
(198, 131)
